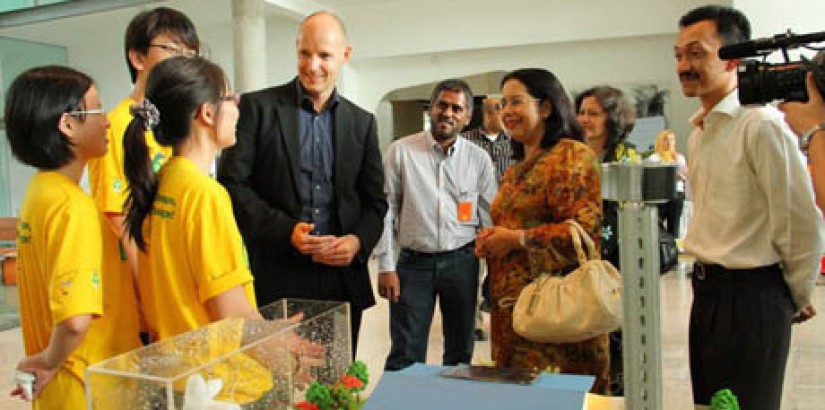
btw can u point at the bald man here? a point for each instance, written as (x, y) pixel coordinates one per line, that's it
(306, 180)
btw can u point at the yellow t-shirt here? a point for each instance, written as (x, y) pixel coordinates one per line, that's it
(68, 265)
(194, 253)
(106, 176)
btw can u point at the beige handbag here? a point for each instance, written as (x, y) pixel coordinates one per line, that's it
(579, 306)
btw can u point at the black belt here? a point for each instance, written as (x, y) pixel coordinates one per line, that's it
(420, 254)
(711, 271)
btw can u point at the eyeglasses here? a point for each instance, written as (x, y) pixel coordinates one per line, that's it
(91, 111)
(516, 102)
(176, 50)
(233, 97)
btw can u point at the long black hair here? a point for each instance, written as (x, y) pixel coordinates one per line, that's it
(175, 90)
(561, 123)
(35, 101)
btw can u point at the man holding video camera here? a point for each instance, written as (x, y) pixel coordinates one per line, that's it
(755, 231)
(808, 122)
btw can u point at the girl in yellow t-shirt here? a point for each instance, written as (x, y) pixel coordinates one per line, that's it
(193, 267)
(71, 285)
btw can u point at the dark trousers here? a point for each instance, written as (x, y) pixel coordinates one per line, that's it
(453, 278)
(671, 212)
(740, 332)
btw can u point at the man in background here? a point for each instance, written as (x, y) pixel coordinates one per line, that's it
(439, 188)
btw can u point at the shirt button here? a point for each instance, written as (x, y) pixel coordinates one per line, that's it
(317, 211)
(317, 187)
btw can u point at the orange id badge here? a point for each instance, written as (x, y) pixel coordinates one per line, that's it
(465, 211)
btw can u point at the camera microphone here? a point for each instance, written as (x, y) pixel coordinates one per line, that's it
(758, 46)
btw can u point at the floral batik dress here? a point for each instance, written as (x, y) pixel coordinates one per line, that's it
(538, 195)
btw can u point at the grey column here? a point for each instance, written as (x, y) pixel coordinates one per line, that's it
(249, 29)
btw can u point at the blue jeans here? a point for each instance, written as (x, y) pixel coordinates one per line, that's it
(453, 278)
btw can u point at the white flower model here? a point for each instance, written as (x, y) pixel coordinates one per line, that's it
(199, 395)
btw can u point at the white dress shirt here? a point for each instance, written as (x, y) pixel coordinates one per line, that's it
(424, 187)
(753, 201)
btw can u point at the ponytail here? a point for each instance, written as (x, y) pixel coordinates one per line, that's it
(143, 183)
(177, 87)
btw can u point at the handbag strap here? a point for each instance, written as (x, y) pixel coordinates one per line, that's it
(578, 235)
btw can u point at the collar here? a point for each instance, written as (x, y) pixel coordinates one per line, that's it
(435, 146)
(306, 103)
(727, 106)
(494, 137)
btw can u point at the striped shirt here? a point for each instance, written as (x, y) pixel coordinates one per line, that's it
(500, 150)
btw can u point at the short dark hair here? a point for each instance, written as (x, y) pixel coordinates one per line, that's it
(456, 85)
(35, 101)
(621, 115)
(561, 123)
(177, 87)
(149, 24)
(731, 24)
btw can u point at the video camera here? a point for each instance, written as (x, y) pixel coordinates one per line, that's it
(761, 82)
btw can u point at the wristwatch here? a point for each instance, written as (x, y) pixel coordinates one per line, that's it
(805, 140)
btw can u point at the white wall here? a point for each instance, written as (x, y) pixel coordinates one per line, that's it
(396, 28)
(399, 43)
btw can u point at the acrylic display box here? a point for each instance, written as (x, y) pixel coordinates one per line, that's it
(230, 364)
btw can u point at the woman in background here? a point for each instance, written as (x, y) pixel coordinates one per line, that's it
(607, 117)
(665, 152)
(77, 300)
(555, 179)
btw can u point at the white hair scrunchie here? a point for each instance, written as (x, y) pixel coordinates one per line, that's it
(147, 112)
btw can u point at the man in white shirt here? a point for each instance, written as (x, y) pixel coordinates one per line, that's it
(755, 231)
(439, 189)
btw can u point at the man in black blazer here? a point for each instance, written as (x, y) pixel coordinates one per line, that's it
(306, 180)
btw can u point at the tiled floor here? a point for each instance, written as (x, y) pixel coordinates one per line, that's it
(804, 383)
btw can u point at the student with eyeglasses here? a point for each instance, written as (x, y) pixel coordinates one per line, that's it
(193, 266)
(67, 257)
(151, 37)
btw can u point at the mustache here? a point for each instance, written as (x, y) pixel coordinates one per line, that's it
(444, 119)
(689, 75)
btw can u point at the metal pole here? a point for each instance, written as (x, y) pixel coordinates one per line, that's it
(639, 255)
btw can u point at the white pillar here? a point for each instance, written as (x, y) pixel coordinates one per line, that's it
(249, 29)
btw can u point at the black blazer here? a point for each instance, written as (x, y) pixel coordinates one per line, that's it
(261, 174)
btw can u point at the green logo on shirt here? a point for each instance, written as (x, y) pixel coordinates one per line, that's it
(95, 279)
(117, 185)
(24, 233)
(157, 161)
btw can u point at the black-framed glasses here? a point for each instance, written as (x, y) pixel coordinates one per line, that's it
(176, 50)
